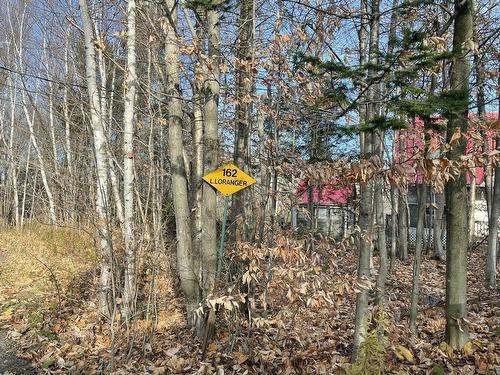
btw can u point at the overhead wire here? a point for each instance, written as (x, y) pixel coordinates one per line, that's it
(42, 78)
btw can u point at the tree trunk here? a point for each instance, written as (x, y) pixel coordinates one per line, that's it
(380, 223)
(41, 161)
(129, 290)
(492, 250)
(481, 111)
(366, 191)
(244, 87)
(362, 39)
(394, 225)
(403, 215)
(394, 191)
(457, 333)
(208, 256)
(197, 169)
(403, 227)
(25, 184)
(101, 157)
(211, 143)
(187, 274)
(12, 174)
(71, 194)
(30, 121)
(263, 179)
(422, 202)
(472, 209)
(108, 110)
(439, 252)
(365, 224)
(51, 110)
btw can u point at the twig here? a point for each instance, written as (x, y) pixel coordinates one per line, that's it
(54, 280)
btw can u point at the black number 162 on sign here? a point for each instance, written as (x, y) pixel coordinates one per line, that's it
(229, 172)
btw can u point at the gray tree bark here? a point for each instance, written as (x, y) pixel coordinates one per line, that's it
(366, 192)
(187, 274)
(472, 209)
(492, 249)
(394, 225)
(422, 202)
(244, 88)
(380, 224)
(211, 142)
(439, 252)
(457, 333)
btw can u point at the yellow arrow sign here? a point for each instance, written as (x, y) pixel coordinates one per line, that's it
(229, 179)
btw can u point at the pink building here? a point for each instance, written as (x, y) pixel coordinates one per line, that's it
(329, 209)
(330, 204)
(409, 145)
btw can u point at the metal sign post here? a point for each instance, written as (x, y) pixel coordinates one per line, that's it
(228, 179)
(220, 254)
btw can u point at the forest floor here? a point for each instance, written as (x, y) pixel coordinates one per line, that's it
(10, 364)
(302, 305)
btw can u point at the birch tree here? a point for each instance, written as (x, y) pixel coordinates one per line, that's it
(30, 120)
(101, 160)
(129, 291)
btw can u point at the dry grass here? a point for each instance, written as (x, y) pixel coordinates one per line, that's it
(48, 306)
(39, 263)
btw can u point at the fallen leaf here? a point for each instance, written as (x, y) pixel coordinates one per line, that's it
(172, 351)
(403, 354)
(446, 348)
(239, 357)
(468, 348)
(7, 314)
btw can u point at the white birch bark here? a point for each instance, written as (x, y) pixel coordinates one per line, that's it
(12, 173)
(129, 291)
(51, 109)
(18, 46)
(107, 113)
(67, 121)
(25, 185)
(101, 157)
(70, 195)
(41, 161)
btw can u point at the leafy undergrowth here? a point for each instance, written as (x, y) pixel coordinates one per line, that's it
(288, 309)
